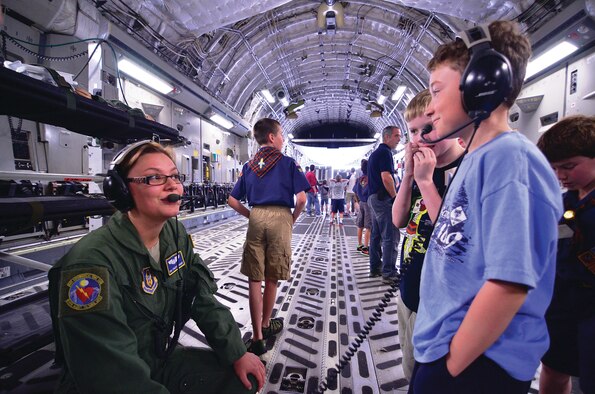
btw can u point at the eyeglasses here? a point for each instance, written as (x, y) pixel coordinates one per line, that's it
(157, 179)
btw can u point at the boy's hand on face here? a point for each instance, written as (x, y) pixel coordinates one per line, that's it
(410, 149)
(424, 162)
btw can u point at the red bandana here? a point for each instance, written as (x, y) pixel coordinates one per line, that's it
(264, 160)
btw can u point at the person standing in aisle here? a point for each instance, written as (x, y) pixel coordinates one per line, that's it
(312, 194)
(269, 182)
(382, 192)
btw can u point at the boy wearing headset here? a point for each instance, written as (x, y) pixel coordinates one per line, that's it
(269, 181)
(488, 274)
(117, 295)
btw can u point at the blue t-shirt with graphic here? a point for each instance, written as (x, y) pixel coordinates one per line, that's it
(498, 222)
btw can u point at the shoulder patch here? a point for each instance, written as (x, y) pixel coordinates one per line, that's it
(149, 282)
(83, 290)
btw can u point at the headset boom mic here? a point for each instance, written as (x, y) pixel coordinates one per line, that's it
(427, 129)
(173, 197)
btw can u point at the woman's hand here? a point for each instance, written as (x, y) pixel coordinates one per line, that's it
(249, 363)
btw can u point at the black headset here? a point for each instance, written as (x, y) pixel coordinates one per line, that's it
(115, 186)
(487, 79)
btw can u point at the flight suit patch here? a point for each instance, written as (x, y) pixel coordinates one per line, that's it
(149, 282)
(84, 290)
(174, 262)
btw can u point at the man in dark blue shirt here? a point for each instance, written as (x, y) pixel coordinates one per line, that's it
(382, 191)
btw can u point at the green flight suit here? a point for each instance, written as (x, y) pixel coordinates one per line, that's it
(111, 302)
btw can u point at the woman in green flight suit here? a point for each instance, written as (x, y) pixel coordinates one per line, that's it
(120, 291)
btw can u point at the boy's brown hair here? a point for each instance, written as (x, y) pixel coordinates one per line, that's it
(263, 128)
(506, 39)
(417, 106)
(570, 137)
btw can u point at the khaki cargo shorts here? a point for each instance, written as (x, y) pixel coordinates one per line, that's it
(267, 250)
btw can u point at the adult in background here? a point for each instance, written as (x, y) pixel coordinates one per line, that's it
(349, 195)
(312, 194)
(382, 192)
(364, 220)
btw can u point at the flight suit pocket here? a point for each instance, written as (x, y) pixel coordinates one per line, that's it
(206, 278)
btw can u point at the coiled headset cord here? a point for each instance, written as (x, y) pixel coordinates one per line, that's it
(370, 323)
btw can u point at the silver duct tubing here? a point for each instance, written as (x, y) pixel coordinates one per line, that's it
(410, 53)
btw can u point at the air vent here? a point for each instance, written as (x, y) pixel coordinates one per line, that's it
(549, 119)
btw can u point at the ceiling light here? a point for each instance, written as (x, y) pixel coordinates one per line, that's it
(284, 101)
(376, 136)
(399, 93)
(343, 157)
(267, 95)
(219, 119)
(381, 99)
(290, 136)
(143, 76)
(549, 57)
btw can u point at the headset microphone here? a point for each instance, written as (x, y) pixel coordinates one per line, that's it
(428, 128)
(173, 197)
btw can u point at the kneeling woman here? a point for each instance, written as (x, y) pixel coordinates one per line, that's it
(121, 290)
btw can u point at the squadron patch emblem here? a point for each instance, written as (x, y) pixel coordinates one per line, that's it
(150, 282)
(174, 262)
(84, 290)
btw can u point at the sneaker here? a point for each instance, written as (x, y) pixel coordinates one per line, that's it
(274, 328)
(340, 221)
(389, 280)
(257, 347)
(374, 274)
(365, 250)
(359, 248)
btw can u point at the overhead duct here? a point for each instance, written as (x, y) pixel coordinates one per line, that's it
(330, 16)
(49, 16)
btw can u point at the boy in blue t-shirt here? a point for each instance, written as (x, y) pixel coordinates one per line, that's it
(269, 181)
(488, 274)
(570, 147)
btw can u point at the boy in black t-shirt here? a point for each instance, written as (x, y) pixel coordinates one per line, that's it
(416, 207)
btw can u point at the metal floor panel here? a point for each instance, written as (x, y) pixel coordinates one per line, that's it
(325, 304)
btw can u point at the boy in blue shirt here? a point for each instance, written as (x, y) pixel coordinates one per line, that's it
(269, 181)
(488, 274)
(570, 147)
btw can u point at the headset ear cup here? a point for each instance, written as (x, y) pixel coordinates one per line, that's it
(486, 82)
(117, 192)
